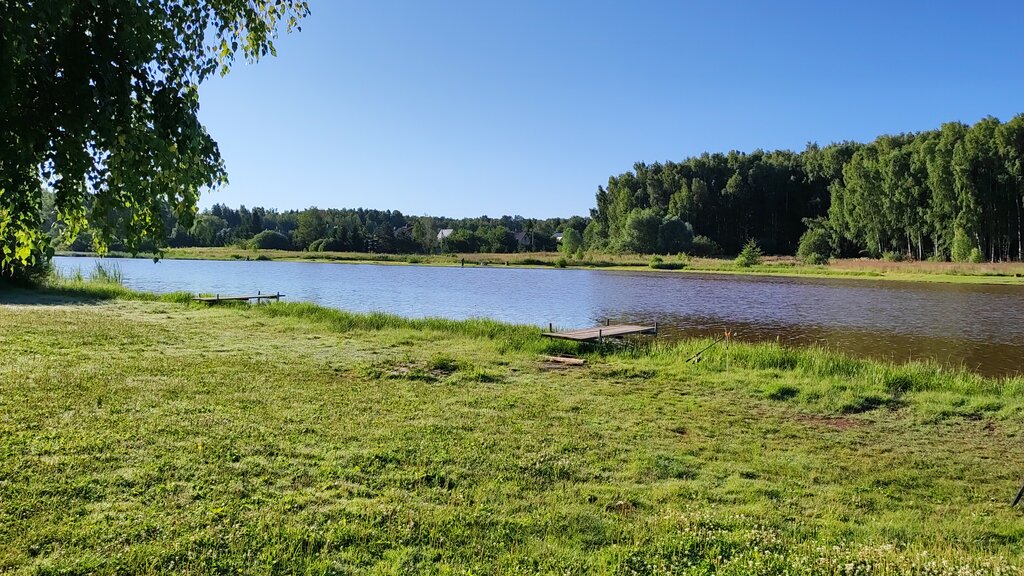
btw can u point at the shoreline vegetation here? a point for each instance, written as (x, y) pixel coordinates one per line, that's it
(862, 268)
(146, 433)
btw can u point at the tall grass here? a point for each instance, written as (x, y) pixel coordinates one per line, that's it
(105, 282)
(836, 383)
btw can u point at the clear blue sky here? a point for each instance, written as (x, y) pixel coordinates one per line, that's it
(472, 108)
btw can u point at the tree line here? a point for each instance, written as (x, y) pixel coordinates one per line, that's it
(951, 193)
(954, 193)
(349, 230)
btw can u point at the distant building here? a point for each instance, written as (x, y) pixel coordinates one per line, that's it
(444, 233)
(523, 238)
(403, 231)
(558, 236)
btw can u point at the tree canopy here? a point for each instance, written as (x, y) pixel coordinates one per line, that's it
(99, 103)
(955, 192)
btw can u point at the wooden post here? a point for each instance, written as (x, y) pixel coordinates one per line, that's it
(655, 328)
(600, 338)
(551, 327)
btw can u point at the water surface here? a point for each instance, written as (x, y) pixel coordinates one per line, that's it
(977, 326)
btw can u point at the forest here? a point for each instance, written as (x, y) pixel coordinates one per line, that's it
(349, 230)
(954, 193)
(951, 193)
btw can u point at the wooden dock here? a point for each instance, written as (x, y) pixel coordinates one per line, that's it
(601, 332)
(258, 297)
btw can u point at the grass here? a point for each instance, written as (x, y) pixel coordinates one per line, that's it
(857, 268)
(144, 434)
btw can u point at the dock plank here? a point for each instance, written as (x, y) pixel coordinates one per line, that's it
(594, 334)
(246, 298)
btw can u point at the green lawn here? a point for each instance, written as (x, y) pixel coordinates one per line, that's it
(155, 436)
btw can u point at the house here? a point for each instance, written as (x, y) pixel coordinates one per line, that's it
(403, 231)
(444, 233)
(558, 236)
(523, 239)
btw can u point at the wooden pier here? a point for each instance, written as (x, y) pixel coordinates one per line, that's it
(601, 332)
(258, 297)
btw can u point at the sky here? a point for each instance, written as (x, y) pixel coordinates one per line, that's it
(476, 108)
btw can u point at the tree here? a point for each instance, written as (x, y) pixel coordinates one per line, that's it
(311, 226)
(99, 101)
(424, 233)
(465, 241)
(640, 233)
(750, 255)
(572, 242)
(674, 236)
(206, 229)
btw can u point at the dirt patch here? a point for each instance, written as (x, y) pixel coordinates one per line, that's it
(836, 423)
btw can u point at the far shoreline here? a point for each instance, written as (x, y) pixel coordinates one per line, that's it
(1000, 273)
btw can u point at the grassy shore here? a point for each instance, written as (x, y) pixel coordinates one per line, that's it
(147, 434)
(985, 273)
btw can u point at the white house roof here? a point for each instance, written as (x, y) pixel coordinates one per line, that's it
(444, 233)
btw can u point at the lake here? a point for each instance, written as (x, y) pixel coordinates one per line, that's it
(977, 326)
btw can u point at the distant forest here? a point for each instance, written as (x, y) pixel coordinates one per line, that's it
(355, 230)
(952, 193)
(949, 194)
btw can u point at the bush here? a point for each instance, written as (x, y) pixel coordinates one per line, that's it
(658, 264)
(704, 246)
(271, 240)
(750, 255)
(890, 256)
(333, 245)
(674, 235)
(562, 262)
(815, 246)
(963, 248)
(975, 256)
(640, 233)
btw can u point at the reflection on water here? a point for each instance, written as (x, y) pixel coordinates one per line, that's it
(980, 327)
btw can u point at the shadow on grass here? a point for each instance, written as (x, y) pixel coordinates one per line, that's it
(73, 293)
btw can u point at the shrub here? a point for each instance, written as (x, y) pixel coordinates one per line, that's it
(963, 248)
(704, 246)
(640, 233)
(890, 256)
(815, 246)
(333, 245)
(658, 263)
(674, 235)
(271, 240)
(975, 256)
(562, 262)
(750, 255)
